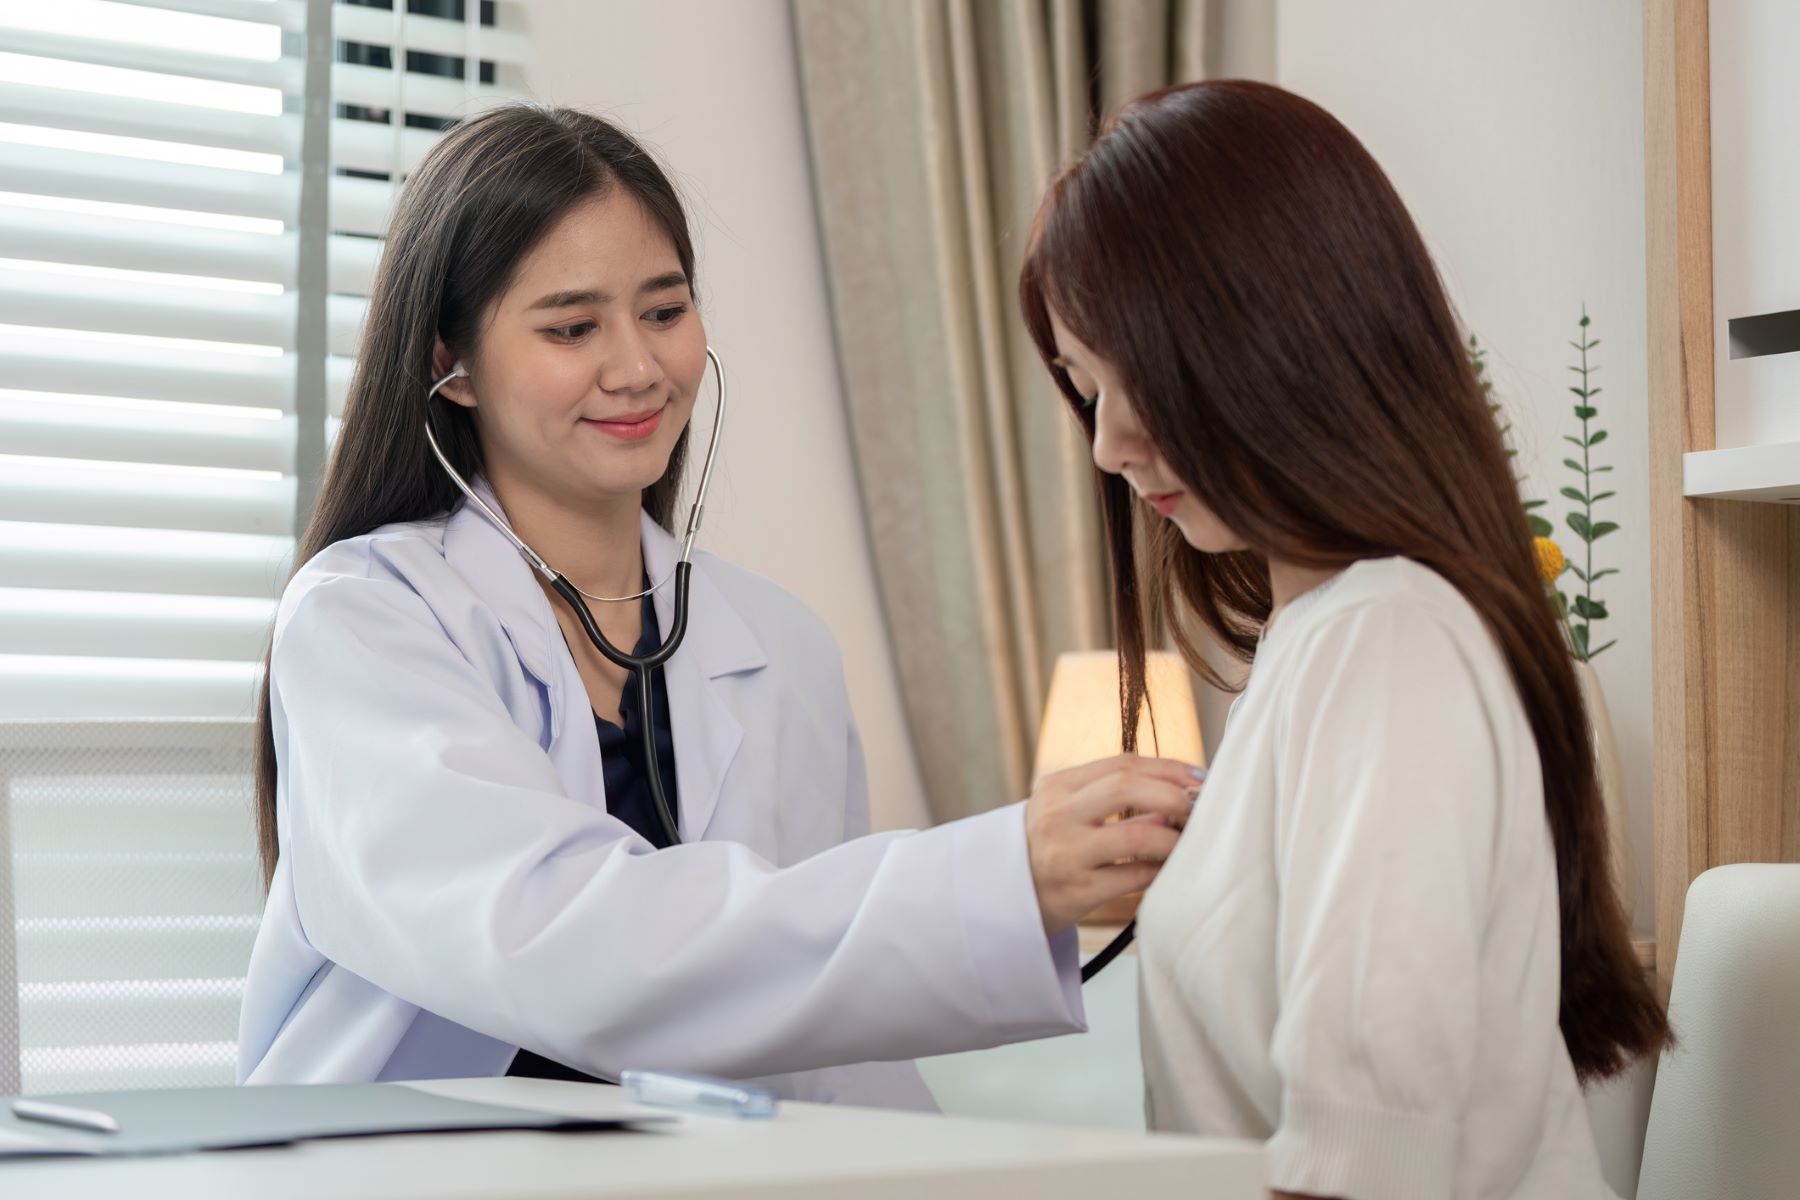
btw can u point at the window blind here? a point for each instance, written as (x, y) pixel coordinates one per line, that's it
(154, 465)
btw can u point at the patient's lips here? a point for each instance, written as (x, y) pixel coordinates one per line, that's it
(1163, 502)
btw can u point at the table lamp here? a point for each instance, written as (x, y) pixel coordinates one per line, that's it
(1081, 724)
(1081, 718)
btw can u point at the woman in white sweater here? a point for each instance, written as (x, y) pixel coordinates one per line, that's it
(1388, 941)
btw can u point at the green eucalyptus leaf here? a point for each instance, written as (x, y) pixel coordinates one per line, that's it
(1576, 495)
(1604, 648)
(1541, 527)
(1597, 438)
(1580, 525)
(1592, 610)
(1604, 528)
(1599, 575)
(1603, 496)
(1573, 465)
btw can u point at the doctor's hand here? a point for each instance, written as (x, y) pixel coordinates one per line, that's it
(1080, 856)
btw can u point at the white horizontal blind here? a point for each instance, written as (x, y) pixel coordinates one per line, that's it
(148, 178)
(150, 192)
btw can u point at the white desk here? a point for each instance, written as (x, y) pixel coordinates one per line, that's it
(807, 1151)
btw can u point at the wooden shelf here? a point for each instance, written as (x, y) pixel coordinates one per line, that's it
(1770, 473)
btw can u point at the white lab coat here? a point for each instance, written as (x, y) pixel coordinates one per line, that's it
(451, 887)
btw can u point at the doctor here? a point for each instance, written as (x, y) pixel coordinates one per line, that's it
(466, 873)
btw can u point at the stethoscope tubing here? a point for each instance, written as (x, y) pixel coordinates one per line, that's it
(642, 666)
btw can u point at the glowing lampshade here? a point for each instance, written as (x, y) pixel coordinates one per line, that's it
(1081, 719)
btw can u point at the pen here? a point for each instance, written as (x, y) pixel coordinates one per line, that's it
(699, 1093)
(62, 1114)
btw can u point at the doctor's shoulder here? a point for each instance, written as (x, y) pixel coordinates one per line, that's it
(399, 568)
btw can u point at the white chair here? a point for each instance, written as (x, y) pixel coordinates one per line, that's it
(1725, 1116)
(129, 897)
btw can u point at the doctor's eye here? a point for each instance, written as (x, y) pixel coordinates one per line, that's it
(668, 314)
(570, 333)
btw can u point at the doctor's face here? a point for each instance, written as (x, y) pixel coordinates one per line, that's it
(1122, 446)
(589, 363)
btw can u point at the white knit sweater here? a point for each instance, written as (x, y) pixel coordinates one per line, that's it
(1353, 951)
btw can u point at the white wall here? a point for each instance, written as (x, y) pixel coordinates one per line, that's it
(1515, 134)
(713, 88)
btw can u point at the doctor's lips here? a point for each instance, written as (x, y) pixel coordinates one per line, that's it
(629, 429)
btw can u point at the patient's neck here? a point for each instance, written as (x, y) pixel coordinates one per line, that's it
(1289, 581)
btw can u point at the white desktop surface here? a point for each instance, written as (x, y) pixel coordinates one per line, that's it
(806, 1151)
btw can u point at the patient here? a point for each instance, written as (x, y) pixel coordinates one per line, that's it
(1388, 941)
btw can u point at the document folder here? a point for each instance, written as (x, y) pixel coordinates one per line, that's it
(175, 1120)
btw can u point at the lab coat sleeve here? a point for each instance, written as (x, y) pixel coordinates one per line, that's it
(434, 852)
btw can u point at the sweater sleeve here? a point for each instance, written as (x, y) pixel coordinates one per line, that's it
(1386, 814)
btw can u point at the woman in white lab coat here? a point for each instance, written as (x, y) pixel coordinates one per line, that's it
(463, 876)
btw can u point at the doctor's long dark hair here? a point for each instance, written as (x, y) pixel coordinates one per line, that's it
(1246, 267)
(468, 215)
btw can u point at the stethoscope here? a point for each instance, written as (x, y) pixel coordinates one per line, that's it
(639, 665)
(643, 665)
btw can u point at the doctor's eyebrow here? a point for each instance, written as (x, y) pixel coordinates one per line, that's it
(573, 296)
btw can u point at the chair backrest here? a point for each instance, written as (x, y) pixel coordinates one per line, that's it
(1725, 1116)
(129, 898)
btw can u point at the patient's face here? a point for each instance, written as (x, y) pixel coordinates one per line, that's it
(589, 363)
(1123, 448)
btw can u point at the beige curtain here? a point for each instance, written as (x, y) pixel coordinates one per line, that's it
(935, 125)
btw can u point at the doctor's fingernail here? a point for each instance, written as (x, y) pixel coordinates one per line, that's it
(1200, 774)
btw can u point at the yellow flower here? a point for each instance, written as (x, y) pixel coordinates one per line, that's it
(1550, 558)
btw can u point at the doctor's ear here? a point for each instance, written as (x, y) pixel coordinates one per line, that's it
(457, 387)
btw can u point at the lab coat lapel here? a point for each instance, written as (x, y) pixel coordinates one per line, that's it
(499, 574)
(718, 645)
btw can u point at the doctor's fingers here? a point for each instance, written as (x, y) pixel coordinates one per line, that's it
(1125, 766)
(1136, 794)
(1135, 841)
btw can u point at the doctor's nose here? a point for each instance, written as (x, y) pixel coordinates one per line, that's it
(629, 365)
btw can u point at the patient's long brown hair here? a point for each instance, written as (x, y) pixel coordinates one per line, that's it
(1253, 277)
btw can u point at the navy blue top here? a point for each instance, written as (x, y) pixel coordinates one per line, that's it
(627, 793)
